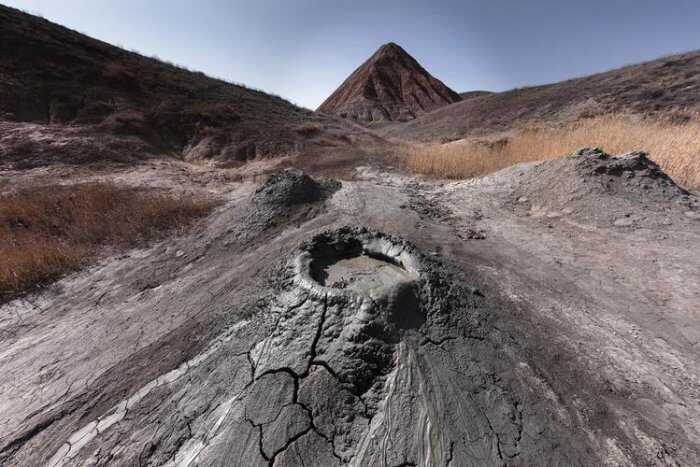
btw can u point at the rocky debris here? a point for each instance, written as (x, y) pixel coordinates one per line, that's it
(579, 185)
(469, 233)
(287, 196)
(634, 170)
(390, 85)
(427, 208)
(627, 221)
(431, 209)
(291, 187)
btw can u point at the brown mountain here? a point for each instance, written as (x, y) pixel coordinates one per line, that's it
(666, 86)
(92, 102)
(391, 85)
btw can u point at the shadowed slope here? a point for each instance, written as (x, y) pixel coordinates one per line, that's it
(134, 105)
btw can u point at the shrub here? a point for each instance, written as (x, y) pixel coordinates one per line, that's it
(117, 70)
(50, 230)
(309, 129)
(675, 147)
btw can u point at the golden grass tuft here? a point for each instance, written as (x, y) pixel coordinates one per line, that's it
(50, 230)
(675, 147)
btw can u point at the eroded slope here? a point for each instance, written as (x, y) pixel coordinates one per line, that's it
(390, 86)
(69, 98)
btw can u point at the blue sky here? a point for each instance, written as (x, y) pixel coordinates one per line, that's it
(304, 49)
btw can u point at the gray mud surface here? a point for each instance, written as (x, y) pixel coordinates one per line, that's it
(381, 321)
(363, 274)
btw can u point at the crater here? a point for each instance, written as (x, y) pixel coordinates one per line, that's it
(361, 273)
(363, 263)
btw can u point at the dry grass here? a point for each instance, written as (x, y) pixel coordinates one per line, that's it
(675, 147)
(309, 129)
(50, 230)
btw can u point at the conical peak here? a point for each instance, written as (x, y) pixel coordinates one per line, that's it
(391, 48)
(390, 85)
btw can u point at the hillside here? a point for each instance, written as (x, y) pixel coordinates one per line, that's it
(121, 105)
(470, 94)
(666, 85)
(390, 86)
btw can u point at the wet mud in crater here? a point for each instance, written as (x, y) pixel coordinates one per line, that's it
(362, 268)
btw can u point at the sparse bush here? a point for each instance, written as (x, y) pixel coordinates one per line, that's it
(675, 147)
(117, 70)
(309, 129)
(50, 230)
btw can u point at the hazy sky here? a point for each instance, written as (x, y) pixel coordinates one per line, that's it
(304, 49)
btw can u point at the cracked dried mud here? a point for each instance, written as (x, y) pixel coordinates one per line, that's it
(321, 323)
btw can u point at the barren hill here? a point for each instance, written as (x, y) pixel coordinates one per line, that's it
(104, 102)
(391, 85)
(668, 84)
